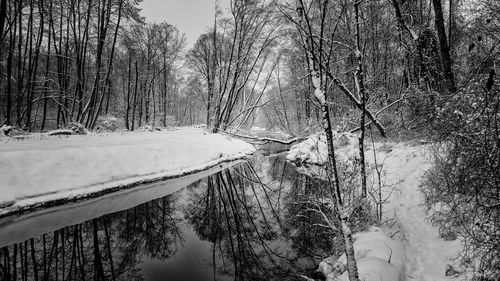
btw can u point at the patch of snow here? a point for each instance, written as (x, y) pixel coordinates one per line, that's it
(109, 123)
(320, 95)
(257, 128)
(378, 256)
(39, 170)
(316, 81)
(314, 151)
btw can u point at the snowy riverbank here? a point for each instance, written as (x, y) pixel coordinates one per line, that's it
(47, 171)
(417, 253)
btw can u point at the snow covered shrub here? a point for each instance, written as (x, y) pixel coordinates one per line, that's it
(314, 151)
(76, 127)
(310, 157)
(110, 123)
(463, 187)
(5, 130)
(11, 131)
(166, 121)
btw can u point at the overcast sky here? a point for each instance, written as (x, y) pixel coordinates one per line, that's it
(192, 17)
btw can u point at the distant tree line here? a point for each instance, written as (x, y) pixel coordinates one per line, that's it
(75, 60)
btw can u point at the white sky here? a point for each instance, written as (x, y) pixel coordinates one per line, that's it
(192, 17)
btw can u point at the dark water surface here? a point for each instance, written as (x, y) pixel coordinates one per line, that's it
(242, 223)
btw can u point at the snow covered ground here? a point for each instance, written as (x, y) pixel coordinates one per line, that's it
(378, 256)
(426, 255)
(423, 255)
(46, 171)
(313, 151)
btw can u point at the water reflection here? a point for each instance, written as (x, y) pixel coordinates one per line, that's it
(244, 223)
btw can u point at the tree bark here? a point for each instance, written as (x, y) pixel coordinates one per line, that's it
(446, 62)
(129, 77)
(3, 17)
(362, 95)
(134, 105)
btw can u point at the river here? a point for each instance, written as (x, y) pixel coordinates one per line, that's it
(243, 222)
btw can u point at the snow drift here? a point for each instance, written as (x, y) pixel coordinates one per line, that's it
(54, 169)
(378, 256)
(314, 150)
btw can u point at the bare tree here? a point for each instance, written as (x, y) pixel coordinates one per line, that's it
(446, 62)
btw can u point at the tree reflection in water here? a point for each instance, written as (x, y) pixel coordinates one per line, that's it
(251, 217)
(105, 248)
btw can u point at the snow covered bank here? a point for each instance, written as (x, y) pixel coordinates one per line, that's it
(16, 229)
(313, 151)
(424, 254)
(52, 170)
(378, 256)
(310, 155)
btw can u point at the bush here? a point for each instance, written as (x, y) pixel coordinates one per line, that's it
(109, 123)
(463, 187)
(76, 127)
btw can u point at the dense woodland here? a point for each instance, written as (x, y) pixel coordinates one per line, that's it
(74, 61)
(396, 68)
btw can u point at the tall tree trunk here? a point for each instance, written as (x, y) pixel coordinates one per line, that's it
(362, 95)
(19, 82)
(47, 67)
(110, 65)
(129, 77)
(31, 71)
(315, 63)
(212, 70)
(12, 43)
(90, 109)
(164, 94)
(446, 63)
(3, 17)
(134, 105)
(342, 213)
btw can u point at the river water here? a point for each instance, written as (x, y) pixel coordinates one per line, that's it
(246, 222)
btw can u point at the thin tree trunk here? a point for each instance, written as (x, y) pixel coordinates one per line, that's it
(212, 70)
(129, 77)
(19, 82)
(315, 63)
(31, 61)
(134, 105)
(362, 94)
(12, 42)
(47, 67)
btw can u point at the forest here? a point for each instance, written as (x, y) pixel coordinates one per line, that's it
(399, 70)
(76, 61)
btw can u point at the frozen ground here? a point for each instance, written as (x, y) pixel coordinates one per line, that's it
(426, 255)
(423, 256)
(47, 170)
